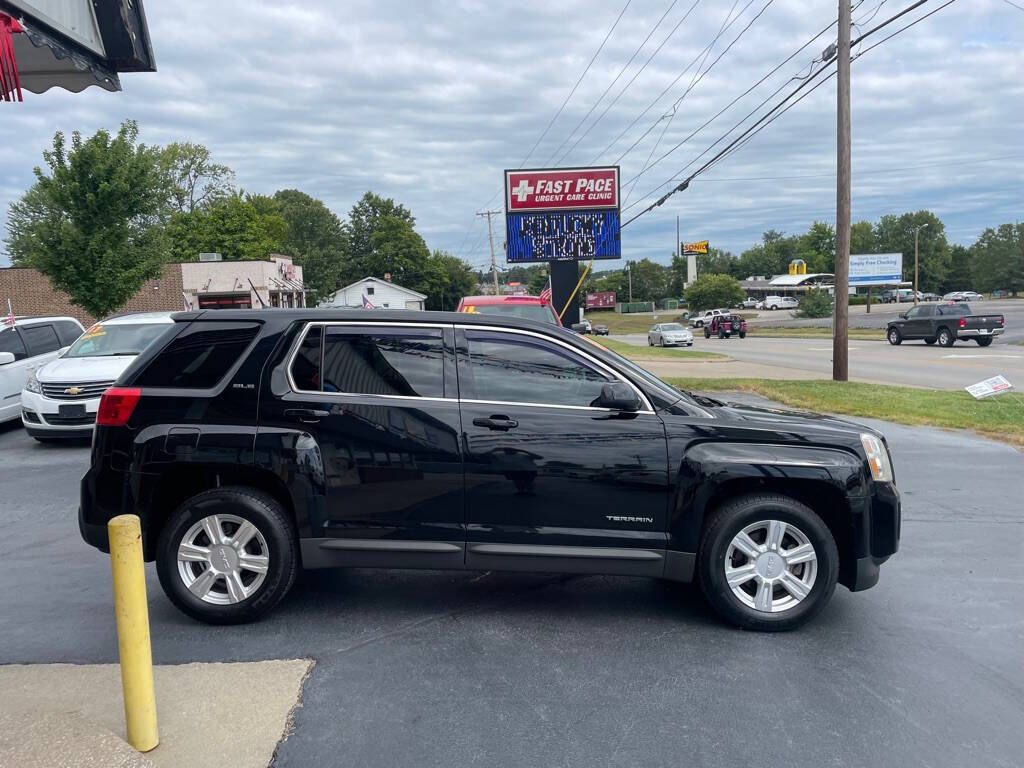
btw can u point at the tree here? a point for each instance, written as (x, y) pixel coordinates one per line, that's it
(93, 225)
(713, 291)
(862, 239)
(459, 281)
(816, 303)
(234, 227)
(818, 247)
(895, 234)
(194, 180)
(770, 257)
(998, 257)
(316, 240)
(959, 276)
(398, 250)
(363, 221)
(650, 280)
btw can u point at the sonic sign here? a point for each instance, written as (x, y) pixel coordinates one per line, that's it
(562, 214)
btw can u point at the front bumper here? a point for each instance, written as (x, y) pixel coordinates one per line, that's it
(875, 536)
(979, 333)
(42, 416)
(677, 340)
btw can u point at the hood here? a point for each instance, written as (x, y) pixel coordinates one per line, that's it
(75, 370)
(780, 418)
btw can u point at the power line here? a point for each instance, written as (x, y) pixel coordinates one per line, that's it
(728, 106)
(612, 83)
(771, 115)
(630, 83)
(1018, 7)
(577, 85)
(943, 164)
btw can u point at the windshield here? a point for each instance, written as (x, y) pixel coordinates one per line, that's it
(541, 312)
(122, 339)
(671, 327)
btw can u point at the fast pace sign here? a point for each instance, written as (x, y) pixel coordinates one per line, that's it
(562, 214)
(555, 189)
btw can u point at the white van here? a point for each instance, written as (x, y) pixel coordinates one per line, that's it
(60, 398)
(28, 344)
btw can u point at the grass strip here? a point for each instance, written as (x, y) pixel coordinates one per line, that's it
(1000, 417)
(634, 352)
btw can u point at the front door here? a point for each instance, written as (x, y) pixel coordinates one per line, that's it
(553, 482)
(918, 321)
(376, 408)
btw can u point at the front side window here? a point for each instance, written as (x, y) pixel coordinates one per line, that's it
(403, 361)
(523, 369)
(913, 313)
(40, 339)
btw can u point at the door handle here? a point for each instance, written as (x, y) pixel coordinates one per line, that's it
(306, 415)
(500, 423)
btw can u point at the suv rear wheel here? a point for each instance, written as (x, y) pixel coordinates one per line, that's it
(227, 556)
(767, 562)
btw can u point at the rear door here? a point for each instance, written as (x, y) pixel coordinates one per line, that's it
(371, 418)
(12, 375)
(552, 482)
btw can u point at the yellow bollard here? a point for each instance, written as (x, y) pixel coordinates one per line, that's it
(125, 536)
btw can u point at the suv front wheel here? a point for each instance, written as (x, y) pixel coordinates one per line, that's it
(767, 562)
(227, 556)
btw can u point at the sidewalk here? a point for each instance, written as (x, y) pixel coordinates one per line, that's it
(222, 715)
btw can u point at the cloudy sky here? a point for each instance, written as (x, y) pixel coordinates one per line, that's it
(428, 102)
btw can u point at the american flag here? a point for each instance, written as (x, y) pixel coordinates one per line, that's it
(9, 320)
(545, 294)
(367, 304)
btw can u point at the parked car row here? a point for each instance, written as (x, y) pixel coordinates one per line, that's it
(53, 372)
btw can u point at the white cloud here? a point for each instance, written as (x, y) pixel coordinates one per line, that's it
(429, 102)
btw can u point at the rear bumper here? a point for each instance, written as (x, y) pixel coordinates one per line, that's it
(93, 534)
(977, 333)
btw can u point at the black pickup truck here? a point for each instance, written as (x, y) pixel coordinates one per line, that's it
(945, 323)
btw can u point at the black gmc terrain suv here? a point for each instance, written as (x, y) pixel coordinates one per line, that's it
(255, 443)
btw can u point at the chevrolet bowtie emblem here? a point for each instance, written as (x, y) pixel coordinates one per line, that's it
(72, 390)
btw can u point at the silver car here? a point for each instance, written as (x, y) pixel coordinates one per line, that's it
(669, 335)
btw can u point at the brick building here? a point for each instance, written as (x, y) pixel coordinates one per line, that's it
(277, 282)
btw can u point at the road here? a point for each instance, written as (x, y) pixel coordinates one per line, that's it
(912, 363)
(444, 669)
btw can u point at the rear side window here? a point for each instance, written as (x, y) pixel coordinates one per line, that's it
(39, 339)
(11, 342)
(67, 331)
(400, 361)
(199, 356)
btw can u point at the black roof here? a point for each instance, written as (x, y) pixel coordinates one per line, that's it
(326, 314)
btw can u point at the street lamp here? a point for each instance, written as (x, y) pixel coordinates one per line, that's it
(916, 230)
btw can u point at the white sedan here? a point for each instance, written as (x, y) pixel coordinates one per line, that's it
(669, 335)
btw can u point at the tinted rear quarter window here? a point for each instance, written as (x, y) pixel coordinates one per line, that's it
(39, 339)
(408, 362)
(67, 331)
(200, 356)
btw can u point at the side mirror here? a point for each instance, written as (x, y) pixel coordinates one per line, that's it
(6, 357)
(903, 315)
(618, 396)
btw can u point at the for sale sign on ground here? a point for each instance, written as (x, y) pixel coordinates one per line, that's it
(562, 214)
(994, 386)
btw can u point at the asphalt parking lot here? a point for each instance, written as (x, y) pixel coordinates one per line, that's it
(444, 669)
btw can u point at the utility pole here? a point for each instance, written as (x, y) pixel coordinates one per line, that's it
(916, 230)
(629, 273)
(840, 343)
(490, 237)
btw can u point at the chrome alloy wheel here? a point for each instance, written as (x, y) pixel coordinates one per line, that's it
(770, 566)
(223, 559)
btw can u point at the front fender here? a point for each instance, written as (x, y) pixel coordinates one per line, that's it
(707, 473)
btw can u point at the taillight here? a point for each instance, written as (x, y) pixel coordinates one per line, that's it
(116, 406)
(1002, 320)
(963, 322)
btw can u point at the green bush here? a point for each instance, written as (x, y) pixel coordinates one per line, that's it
(713, 291)
(815, 304)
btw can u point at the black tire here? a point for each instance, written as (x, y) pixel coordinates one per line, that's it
(945, 337)
(726, 522)
(984, 342)
(894, 336)
(929, 341)
(270, 519)
(707, 333)
(743, 334)
(45, 440)
(699, 324)
(649, 342)
(722, 334)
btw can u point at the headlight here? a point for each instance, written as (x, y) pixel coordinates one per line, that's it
(878, 458)
(32, 385)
